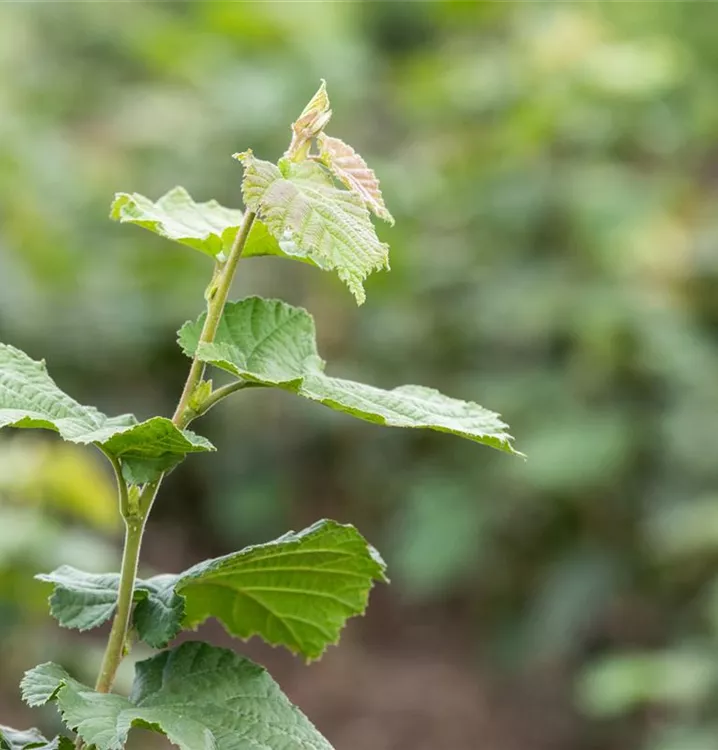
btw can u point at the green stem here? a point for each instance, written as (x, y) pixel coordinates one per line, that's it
(118, 635)
(215, 306)
(221, 393)
(136, 517)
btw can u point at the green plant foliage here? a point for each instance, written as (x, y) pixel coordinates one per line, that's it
(30, 739)
(301, 205)
(30, 398)
(197, 695)
(83, 601)
(297, 591)
(271, 343)
(208, 227)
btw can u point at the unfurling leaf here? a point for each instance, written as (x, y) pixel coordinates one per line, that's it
(310, 124)
(310, 217)
(297, 591)
(200, 697)
(30, 398)
(350, 169)
(272, 343)
(30, 739)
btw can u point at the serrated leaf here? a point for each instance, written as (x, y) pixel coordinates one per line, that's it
(199, 696)
(30, 739)
(297, 591)
(273, 343)
(351, 169)
(29, 398)
(83, 601)
(329, 226)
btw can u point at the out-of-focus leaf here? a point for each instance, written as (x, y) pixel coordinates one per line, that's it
(622, 683)
(58, 476)
(31, 739)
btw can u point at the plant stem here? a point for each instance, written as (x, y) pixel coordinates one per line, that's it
(136, 518)
(215, 307)
(118, 635)
(219, 394)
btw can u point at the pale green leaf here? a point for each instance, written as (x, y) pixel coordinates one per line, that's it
(30, 739)
(29, 398)
(87, 600)
(306, 212)
(351, 169)
(208, 227)
(297, 591)
(199, 696)
(273, 343)
(310, 123)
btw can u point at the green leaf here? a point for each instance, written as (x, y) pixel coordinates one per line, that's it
(87, 600)
(311, 217)
(297, 591)
(29, 398)
(349, 168)
(208, 227)
(29, 739)
(273, 343)
(200, 697)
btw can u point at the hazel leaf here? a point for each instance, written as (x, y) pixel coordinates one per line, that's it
(198, 696)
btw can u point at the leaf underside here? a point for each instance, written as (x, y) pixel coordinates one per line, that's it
(297, 591)
(351, 169)
(305, 211)
(274, 344)
(29, 398)
(199, 696)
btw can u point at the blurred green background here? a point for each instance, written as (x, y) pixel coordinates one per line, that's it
(553, 169)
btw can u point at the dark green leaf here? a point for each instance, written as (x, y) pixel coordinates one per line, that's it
(86, 600)
(30, 398)
(297, 591)
(200, 697)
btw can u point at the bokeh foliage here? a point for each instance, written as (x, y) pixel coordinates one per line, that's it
(552, 172)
